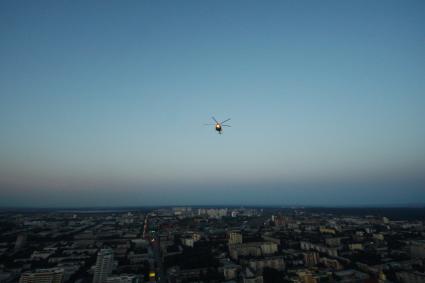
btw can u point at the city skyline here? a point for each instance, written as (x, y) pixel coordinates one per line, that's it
(103, 104)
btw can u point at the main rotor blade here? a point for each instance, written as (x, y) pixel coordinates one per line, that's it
(225, 121)
(225, 125)
(214, 119)
(209, 124)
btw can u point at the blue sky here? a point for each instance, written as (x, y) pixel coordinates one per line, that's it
(103, 102)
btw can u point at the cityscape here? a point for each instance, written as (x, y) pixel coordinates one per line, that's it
(212, 141)
(213, 244)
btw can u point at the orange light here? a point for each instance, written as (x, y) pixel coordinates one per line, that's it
(151, 274)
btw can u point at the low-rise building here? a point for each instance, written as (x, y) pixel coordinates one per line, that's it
(50, 275)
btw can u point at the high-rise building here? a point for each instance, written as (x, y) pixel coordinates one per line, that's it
(235, 238)
(104, 264)
(21, 241)
(311, 258)
(417, 249)
(51, 275)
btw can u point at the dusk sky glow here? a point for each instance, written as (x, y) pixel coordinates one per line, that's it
(102, 103)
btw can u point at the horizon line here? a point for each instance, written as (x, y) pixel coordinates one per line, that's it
(395, 205)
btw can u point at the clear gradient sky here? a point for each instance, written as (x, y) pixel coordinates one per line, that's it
(102, 103)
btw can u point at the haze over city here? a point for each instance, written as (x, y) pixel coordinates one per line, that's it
(104, 103)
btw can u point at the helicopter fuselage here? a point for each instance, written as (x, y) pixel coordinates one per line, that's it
(218, 128)
(218, 125)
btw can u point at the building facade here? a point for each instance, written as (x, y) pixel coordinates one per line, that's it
(50, 275)
(104, 264)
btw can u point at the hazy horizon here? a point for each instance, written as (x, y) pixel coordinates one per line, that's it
(103, 103)
(231, 206)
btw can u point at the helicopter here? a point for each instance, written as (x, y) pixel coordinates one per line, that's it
(218, 125)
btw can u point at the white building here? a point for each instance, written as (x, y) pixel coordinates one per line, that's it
(124, 278)
(252, 249)
(50, 275)
(104, 264)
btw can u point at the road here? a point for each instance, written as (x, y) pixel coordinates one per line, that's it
(155, 246)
